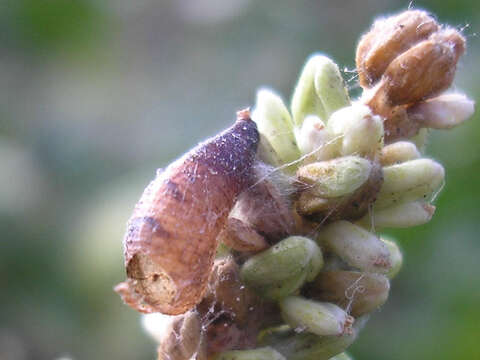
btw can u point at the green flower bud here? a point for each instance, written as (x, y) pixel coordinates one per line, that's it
(409, 181)
(396, 257)
(307, 346)
(336, 177)
(319, 318)
(359, 131)
(400, 216)
(356, 246)
(358, 293)
(315, 139)
(320, 90)
(265, 353)
(274, 122)
(282, 269)
(399, 152)
(443, 112)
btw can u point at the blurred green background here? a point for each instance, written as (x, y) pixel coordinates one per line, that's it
(96, 95)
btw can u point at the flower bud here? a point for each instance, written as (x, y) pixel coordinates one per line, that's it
(409, 181)
(443, 112)
(359, 131)
(283, 268)
(421, 72)
(179, 337)
(296, 345)
(358, 293)
(387, 39)
(337, 177)
(399, 152)
(315, 139)
(265, 353)
(318, 318)
(396, 257)
(319, 91)
(274, 122)
(356, 246)
(403, 215)
(350, 206)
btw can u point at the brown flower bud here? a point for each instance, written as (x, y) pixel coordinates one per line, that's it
(387, 39)
(231, 313)
(359, 293)
(171, 238)
(261, 213)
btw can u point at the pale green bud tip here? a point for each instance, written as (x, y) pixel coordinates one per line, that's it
(329, 85)
(282, 269)
(359, 130)
(396, 257)
(265, 353)
(315, 139)
(319, 91)
(274, 122)
(400, 216)
(356, 246)
(342, 356)
(410, 181)
(443, 112)
(337, 177)
(319, 318)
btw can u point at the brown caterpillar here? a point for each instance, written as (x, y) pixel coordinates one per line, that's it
(171, 240)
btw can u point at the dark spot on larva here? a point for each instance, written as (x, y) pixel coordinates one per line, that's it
(173, 190)
(157, 228)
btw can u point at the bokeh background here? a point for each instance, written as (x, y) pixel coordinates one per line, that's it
(96, 95)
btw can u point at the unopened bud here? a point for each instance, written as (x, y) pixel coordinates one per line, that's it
(319, 91)
(241, 236)
(360, 132)
(356, 246)
(443, 112)
(265, 353)
(267, 153)
(295, 345)
(403, 215)
(409, 181)
(319, 318)
(274, 122)
(351, 206)
(388, 38)
(337, 177)
(399, 152)
(361, 293)
(396, 257)
(421, 72)
(282, 269)
(315, 139)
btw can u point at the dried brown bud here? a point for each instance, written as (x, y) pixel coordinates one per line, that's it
(387, 39)
(231, 312)
(357, 292)
(262, 212)
(423, 71)
(171, 238)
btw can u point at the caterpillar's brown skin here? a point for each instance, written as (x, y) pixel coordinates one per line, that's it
(171, 241)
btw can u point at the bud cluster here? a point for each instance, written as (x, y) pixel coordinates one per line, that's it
(301, 265)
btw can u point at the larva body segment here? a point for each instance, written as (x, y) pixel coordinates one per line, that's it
(171, 241)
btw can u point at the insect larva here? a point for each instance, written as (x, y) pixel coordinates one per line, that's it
(171, 241)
